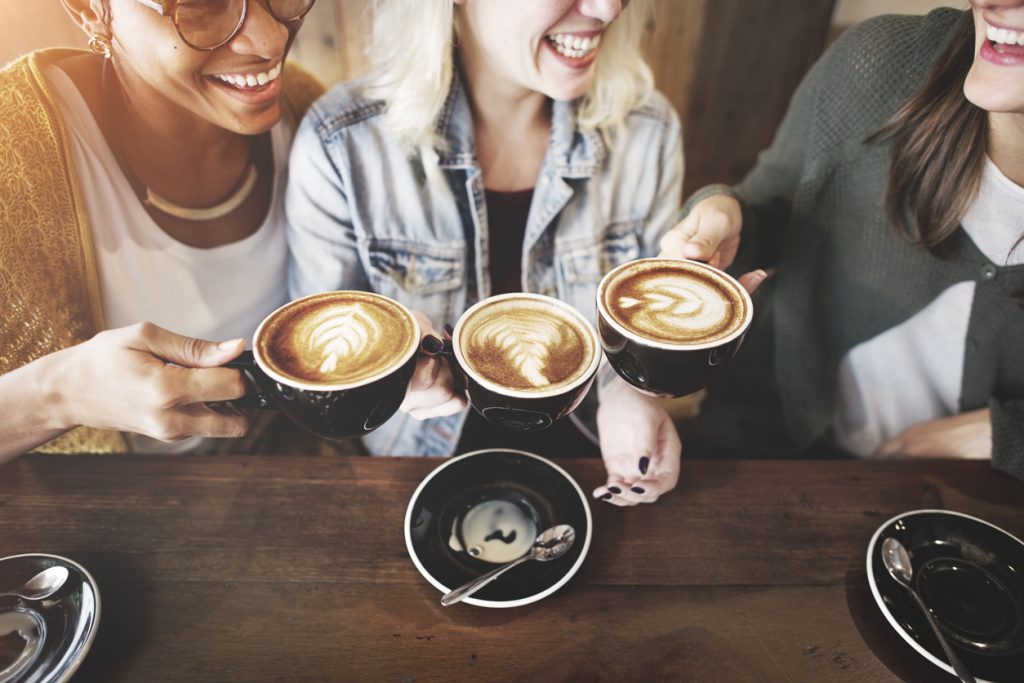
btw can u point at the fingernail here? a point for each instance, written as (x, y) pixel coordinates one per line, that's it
(228, 345)
(645, 462)
(636, 489)
(432, 344)
(449, 329)
(615, 489)
(606, 496)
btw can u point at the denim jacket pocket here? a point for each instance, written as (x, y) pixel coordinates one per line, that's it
(424, 277)
(582, 264)
(586, 263)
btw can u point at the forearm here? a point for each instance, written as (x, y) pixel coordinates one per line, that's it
(31, 404)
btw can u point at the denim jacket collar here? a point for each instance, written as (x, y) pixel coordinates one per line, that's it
(571, 152)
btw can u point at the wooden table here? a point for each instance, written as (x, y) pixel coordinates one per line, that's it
(295, 568)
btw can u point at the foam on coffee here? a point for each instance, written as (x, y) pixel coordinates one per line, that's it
(337, 338)
(526, 343)
(674, 302)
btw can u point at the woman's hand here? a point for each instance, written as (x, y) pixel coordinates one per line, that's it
(150, 381)
(967, 435)
(432, 388)
(639, 444)
(710, 232)
(123, 380)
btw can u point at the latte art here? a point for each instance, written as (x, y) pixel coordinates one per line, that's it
(674, 302)
(337, 338)
(526, 344)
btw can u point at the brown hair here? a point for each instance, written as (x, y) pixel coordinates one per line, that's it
(938, 150)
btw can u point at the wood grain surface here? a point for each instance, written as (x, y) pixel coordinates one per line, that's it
(293, 568)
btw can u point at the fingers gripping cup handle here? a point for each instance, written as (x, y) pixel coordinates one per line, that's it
(260, 398)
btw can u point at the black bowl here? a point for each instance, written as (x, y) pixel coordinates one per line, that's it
(969, 574)
(485, 508)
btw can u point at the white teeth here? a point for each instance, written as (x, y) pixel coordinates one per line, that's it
(251, 80)
(574, 46)
(1004, 36)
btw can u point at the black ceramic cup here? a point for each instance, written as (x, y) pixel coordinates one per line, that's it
(333, 410)
(653, 360)
(524, 410)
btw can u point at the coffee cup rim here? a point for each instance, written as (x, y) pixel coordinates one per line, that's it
(682, 346)
(515, 393)
(296, 383)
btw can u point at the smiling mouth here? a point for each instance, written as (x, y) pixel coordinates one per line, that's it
(572, 45)
(1004, 40)
(250, 81)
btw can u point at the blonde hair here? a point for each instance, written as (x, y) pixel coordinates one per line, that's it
(413, 48)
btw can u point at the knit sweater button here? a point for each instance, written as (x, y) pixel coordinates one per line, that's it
(988, 272)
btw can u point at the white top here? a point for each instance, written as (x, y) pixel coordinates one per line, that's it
(913, 372)
(146, 275)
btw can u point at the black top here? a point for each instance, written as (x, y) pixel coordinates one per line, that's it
(507, 213)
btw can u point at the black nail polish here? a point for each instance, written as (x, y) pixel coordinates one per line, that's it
(645, 462)
(615, 489)
(449, 329)
(432, 344)
(606, 496)
(636, 489)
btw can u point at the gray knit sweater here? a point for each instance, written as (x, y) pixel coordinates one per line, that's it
(813, 207)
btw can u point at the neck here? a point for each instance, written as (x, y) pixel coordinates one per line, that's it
(512, 126)
(1006, 144)
(184, 158)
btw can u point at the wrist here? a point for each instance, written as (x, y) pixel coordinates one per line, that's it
(56, 401)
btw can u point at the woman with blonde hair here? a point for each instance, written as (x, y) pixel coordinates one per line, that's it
(140, 196)
(498, 147)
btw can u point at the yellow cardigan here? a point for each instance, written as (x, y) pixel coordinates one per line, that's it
(49, 289)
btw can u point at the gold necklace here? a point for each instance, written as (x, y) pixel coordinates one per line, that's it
(211, 212)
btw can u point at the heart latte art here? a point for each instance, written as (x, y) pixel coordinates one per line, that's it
(526, 344)
(338, 338)
(674, 302)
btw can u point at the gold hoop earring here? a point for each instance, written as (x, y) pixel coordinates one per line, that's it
(100, 45)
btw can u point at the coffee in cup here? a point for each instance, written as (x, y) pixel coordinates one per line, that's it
(670, 326)
(526, 359)
(336, 339)
(337, 363)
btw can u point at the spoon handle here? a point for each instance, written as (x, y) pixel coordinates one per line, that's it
(467, 589)
(961, 671)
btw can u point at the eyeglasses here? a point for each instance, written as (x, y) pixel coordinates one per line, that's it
(210, 24)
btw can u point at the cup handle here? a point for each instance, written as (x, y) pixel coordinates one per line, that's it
(458, 379)
(259, 399)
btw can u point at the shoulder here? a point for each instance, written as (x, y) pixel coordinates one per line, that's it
(657, 110)
(882, 61)
(343, 106)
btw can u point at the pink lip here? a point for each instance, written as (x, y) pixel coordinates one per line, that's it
(1012, 56)
(255, 97)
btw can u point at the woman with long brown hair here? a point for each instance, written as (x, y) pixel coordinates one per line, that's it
(891, 206)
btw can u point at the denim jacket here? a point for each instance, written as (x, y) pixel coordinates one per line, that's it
(363, 215)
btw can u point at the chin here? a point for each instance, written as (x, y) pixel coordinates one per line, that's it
(256, 124)
(568, 93)
(994, 95)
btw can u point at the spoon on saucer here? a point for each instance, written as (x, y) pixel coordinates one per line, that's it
(550, 545)
(897, 560)
(42, 585)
